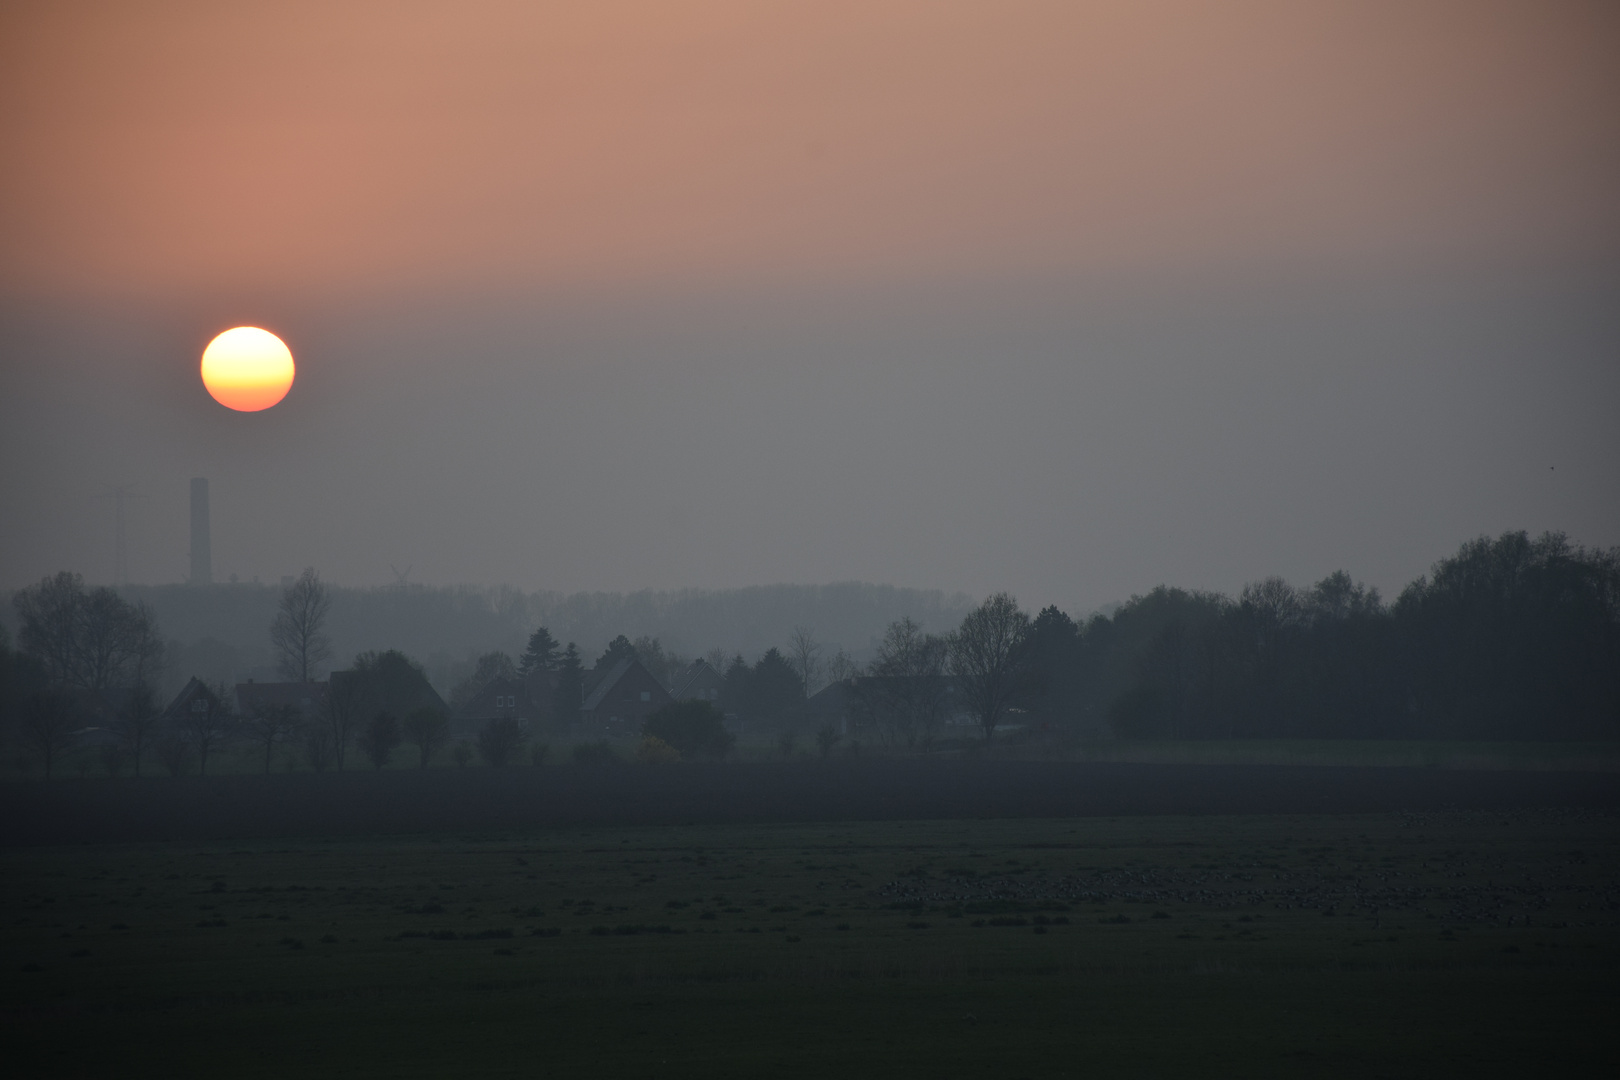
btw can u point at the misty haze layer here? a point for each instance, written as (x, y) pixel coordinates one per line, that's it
(1064, 300)
(1073, 445)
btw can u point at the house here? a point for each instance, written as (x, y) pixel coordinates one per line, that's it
(307, 698)
(619, 699)
(194, 699)
(835, 705)
(395, 686)
(698, 682)
(869, 700)
(500, 698)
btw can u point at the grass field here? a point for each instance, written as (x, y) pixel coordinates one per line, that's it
(1010, 744)
(1378, 753)
(1449, 943)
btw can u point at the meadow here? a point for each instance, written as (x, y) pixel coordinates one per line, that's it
(1446, 942)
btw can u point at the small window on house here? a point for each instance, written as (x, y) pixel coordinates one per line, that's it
(646, 695)
(199, 705)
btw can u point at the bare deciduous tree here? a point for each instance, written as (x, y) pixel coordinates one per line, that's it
(904, 691)
(47, 726)
(48, 614)
(138, 722)
(318, 746)
(347, 696)
(271, 725)
(987, 658)
(378, 738)
(209, 726)
(87, 639)
(301, 648)
(427, 730)
(804, 653)
(841, 666)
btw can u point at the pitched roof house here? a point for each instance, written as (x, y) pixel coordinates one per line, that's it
(195, 697)
(503, 698)
(620, 698)
(309, 699)
(699, 681)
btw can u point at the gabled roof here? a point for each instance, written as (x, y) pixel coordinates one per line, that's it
(190, 692)
(699, 672)
(307, 698)
(482, 704)
(833, 698)
(606, 683)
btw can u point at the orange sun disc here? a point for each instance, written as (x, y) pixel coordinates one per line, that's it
(247, 369)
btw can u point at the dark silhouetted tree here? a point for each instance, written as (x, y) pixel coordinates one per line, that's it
(804, 655)
(137, 722)
(301, 647)
(427, 730)
(568, 692)
(500, 740)
(46, 726)
(660, 662)
(694, 728)
(490, 667)
(987, 656)
(87, 639)
(378, 739)
(209, 727)
(271, 725)
(904, 690)
(618, 649)
(542, 654)
(774, 689)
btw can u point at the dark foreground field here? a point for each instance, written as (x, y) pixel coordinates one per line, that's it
(1438, 943)
(369, 803)
(936, 918)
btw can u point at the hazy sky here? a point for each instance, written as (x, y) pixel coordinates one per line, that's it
(1065, 298)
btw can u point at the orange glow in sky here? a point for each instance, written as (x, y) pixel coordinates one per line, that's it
(313, 147)
(247, 369)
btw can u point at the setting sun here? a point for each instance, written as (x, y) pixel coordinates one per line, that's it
(247, 369)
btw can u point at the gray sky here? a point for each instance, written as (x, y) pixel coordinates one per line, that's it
(1066, 302)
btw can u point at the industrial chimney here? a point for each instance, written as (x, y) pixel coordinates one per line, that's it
(202, 558)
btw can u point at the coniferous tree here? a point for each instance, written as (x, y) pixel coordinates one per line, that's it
(541, 655)
(569, 689)
(618, 649)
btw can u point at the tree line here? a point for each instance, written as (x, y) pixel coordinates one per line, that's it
(1510, 638)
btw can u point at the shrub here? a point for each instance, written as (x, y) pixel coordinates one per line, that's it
(462, 753)
(378, 739)
(692, 728)
(655, 751)
(826, 739)
(538, 753)
(500, 740)
(426, 729)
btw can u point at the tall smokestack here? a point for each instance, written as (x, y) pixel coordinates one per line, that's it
(202, 557)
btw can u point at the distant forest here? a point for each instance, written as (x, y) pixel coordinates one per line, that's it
(1510, 638)
(220, 633)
